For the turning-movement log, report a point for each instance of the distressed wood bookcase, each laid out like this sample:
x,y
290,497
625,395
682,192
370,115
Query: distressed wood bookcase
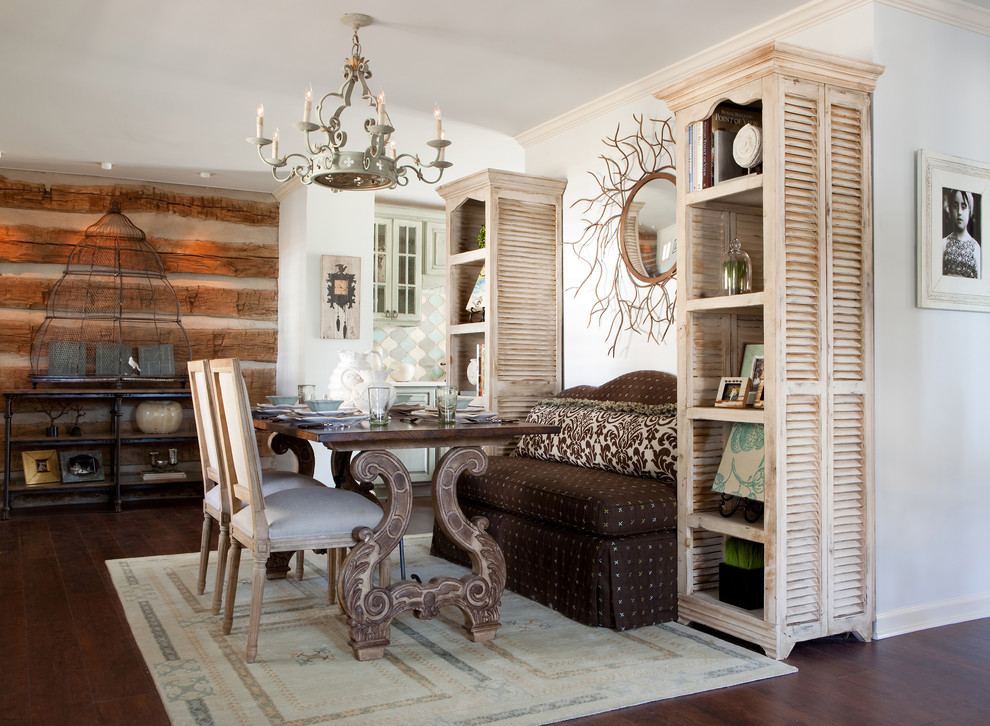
x,y
522,326
805,222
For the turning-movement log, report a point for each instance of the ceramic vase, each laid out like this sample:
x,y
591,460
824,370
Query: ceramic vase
x,y
346,374
158,417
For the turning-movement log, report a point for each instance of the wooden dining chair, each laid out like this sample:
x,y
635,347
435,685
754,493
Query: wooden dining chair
x,y
216,501
286,521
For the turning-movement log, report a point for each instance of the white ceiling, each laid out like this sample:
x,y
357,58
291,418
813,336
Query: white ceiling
x,y
165,90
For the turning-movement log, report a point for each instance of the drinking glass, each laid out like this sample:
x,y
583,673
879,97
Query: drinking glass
x,y
447,404
378,398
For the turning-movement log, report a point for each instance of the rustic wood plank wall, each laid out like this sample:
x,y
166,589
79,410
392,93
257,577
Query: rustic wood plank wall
x,y
219,247
220,250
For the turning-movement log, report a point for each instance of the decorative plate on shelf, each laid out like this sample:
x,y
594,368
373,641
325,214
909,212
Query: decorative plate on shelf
x,y
747,148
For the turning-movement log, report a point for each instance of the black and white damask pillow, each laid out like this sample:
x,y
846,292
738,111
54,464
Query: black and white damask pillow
x,y
625,438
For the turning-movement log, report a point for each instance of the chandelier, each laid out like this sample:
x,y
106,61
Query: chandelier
x,y
327,162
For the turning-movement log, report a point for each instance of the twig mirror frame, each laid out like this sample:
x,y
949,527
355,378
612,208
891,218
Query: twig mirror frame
x,y
637,302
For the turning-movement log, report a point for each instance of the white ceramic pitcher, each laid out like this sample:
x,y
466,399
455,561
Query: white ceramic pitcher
x,y
369,378
357,372
346,374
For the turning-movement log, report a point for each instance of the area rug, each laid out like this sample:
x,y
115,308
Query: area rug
x,y
540,669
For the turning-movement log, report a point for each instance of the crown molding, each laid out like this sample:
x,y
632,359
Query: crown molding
x,y
953,12
286,188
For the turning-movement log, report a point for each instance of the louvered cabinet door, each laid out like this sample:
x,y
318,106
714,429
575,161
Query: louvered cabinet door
x,y
800,442
824,470
526,290
849,566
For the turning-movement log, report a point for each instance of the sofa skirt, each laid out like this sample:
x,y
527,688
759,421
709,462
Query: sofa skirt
x,y
620,583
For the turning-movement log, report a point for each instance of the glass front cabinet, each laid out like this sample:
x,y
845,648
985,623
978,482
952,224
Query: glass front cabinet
x,y
405,250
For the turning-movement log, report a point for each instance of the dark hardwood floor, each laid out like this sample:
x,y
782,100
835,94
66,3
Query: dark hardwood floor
x,y
68,656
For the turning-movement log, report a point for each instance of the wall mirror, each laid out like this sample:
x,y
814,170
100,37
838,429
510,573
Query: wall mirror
x,y
648,228
630,241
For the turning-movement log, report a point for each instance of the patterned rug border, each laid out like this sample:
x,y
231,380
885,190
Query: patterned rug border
x,y
541,668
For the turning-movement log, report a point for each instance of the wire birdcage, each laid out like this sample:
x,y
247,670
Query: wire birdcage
x,y
113,316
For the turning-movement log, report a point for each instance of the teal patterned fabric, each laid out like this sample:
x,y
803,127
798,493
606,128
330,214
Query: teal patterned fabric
x,y
741,471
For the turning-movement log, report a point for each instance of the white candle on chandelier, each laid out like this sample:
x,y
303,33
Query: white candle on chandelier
x,y
442,149
308,104
438,126
391,145
275,144
261,120
381,108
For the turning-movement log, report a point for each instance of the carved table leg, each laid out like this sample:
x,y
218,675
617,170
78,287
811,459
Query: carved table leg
x,y
278,565
478,595
305,458
343,476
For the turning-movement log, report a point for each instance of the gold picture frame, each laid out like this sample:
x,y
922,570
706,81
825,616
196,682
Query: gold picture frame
x,y
732,392
41,467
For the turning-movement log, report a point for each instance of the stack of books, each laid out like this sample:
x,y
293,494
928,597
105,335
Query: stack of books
x,y
162,475
710,141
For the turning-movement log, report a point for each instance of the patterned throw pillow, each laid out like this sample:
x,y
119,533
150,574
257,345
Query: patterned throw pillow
x,y
626,438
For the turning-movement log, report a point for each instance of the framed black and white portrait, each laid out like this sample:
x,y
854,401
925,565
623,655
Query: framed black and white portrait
x,y
952,233
78,466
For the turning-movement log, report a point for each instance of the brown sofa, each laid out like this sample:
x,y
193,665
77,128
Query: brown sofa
x,y
587,519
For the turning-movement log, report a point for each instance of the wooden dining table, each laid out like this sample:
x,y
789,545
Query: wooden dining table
x,y
370,607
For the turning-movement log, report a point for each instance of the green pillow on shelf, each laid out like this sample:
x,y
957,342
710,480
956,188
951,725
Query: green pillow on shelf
x,y
743,554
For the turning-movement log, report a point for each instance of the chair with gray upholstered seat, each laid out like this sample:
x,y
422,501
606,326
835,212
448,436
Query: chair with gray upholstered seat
x,y
216,504
286,521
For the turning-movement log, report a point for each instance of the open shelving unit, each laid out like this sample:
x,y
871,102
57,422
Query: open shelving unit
x,y
522,326
110,430
805,222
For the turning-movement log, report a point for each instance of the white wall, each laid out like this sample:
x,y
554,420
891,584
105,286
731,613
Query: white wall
x,y
313,221
932,409
571,155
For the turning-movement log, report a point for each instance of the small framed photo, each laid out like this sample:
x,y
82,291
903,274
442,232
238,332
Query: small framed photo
x,y
752,368
758,398
80,466
40,467
953,234
732,392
